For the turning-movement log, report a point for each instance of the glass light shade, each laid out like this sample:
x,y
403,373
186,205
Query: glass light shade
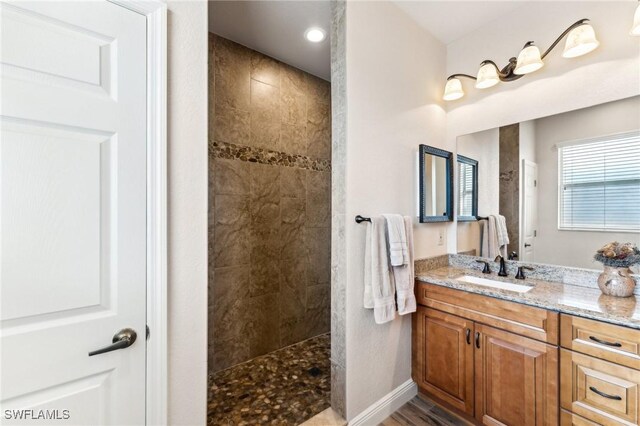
x,y
580,41
453,90
487,76
635,29
529,60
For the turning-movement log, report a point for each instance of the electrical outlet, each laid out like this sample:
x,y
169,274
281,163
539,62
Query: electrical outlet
x,y
441,237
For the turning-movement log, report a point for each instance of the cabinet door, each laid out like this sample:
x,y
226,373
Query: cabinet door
x,y
443,350
516,379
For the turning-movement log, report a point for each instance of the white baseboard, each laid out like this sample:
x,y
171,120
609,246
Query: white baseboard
x,y
386,405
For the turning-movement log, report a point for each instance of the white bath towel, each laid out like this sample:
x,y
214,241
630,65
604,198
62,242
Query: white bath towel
x,y
404,275
493,237
379,289
397,238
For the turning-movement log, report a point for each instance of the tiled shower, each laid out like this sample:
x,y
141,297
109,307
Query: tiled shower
x,y
269,204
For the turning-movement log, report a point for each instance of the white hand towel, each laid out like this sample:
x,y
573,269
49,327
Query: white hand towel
x,y
398,252
502,234
404,275
379,290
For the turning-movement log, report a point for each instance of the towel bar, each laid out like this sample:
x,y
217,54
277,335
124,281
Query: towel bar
x,y
360,219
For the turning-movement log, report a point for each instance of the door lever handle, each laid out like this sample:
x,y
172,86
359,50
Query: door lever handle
x,y
122,339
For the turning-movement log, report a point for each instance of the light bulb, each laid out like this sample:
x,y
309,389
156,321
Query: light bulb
x,y
453,90
529,60
487,76
580,41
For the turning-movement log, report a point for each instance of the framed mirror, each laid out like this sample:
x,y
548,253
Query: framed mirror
x,y
436,185
467,188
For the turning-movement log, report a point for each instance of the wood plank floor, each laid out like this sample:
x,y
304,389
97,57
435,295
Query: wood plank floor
x,y
421,411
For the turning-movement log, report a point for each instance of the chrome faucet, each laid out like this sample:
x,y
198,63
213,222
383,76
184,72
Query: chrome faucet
x,y
503,266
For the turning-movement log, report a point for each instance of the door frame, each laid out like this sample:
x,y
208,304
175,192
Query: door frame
x,y
156,303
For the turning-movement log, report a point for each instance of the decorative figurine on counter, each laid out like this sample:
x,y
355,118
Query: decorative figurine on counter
x,y
617,279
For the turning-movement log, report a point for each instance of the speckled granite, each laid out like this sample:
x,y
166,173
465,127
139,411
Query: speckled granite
x,y
561,274
428,263
556,296
285,387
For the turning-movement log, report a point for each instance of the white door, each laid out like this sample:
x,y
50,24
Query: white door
x,y
72,212
529,211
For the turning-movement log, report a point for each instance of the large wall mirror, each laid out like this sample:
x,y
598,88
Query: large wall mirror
x,y
565,184
436,185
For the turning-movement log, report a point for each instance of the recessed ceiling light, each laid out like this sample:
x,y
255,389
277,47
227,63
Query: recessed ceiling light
x,y
315,35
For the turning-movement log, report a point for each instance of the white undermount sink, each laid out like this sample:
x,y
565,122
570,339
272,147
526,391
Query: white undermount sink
x,y
495,284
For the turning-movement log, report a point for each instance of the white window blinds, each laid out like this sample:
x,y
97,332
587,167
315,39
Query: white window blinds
x,y
600,183
465,190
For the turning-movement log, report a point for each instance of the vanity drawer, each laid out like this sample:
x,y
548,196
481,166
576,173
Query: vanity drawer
x,y
607,341
598,390
527,321
571,419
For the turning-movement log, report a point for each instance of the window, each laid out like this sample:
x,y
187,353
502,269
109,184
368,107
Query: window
x,y
467,188
600,184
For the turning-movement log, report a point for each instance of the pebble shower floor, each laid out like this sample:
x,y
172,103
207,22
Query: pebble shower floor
x,y
284,387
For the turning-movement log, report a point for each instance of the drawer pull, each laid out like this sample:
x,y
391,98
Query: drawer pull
x,y
468,336
477,340
604,395
603,342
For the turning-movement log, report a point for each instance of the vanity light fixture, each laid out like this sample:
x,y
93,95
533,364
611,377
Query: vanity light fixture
x,y
315,35
581,39
635,29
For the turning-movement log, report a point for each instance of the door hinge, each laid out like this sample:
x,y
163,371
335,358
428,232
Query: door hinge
x,y
535,183
535,234
148,333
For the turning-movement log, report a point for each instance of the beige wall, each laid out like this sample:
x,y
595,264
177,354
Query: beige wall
x,y
187,212
575,248
269,204
483,147
394,73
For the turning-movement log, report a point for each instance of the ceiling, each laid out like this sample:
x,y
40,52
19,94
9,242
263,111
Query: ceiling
x,y
276,28
451,20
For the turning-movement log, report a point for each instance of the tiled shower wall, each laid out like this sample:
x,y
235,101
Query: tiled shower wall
x,y
269,204
510,182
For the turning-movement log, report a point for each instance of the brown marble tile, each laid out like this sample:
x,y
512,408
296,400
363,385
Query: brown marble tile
x,y
232,75
265,257
318,309
211,190
230,316
318,129
285,387
265,196
264,330
265,69
231,246
232,125
293,246
318,88
292,211
293,183
318,198
293,80
319,249
293,138
232,210
231,177
265,113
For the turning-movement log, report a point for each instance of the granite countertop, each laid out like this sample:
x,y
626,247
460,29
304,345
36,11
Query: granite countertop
x,y
570,299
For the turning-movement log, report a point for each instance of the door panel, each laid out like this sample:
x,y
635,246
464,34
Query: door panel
x,y
72,208
529,211
516,379
445,357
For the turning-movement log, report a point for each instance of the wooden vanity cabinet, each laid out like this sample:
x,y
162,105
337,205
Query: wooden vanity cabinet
x,y
444,357
488,373
516,379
